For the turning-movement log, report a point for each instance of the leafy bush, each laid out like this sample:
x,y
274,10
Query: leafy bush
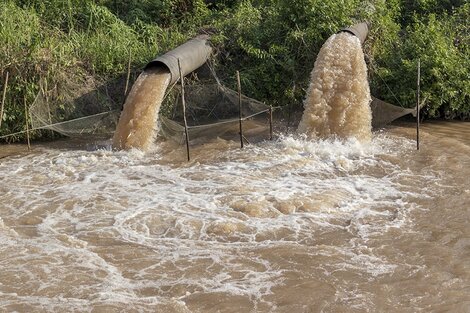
x,y
59,41
443,51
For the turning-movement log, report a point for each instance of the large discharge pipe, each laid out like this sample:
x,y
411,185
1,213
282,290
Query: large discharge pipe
x,y
359,30
192,55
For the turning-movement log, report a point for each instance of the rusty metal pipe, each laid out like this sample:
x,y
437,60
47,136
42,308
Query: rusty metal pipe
x,y
359,30
192,54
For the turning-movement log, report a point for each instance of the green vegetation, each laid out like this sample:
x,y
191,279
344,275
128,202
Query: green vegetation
x,y
272,42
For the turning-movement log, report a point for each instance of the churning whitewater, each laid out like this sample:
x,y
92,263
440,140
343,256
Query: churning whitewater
x,y
337,102
137,125
290,225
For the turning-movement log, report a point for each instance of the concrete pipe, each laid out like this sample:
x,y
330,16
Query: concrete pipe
x,y
359,30
192,54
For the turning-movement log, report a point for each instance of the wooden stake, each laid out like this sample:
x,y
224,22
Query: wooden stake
x,y
270,122
184,111
240,114
26,121
417,104
128,73
3,98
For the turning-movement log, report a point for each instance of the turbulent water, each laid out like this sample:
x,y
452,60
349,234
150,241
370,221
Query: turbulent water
x,y
337,102
290,225
356,222
136,127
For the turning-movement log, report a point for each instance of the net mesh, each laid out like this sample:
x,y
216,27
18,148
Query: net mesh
x,y
211,109
75,109
384,113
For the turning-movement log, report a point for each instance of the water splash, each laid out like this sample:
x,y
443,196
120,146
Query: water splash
x,y
337,102
137,124
317,221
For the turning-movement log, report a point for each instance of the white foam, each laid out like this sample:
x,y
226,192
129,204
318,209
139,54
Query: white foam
x,y
337,101
200,226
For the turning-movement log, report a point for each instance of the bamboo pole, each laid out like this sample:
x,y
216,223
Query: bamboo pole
x,y
240,114
128,73
270,122
26,121
3,98
417,103
184,111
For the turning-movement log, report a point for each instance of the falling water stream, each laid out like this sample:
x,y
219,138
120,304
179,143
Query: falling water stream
x,y
137,125
337,102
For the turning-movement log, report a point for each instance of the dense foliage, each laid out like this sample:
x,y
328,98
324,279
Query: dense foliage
x,y
272,42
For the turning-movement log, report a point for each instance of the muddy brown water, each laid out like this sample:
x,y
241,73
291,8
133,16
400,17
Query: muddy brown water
x,y
290,225
137,124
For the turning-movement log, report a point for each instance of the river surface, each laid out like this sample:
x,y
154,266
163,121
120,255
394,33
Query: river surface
x,y
290,225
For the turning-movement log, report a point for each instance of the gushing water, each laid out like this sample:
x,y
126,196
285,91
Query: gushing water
x,y
137,124
337,102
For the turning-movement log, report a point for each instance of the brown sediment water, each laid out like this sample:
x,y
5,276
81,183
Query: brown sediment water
x,y
137,125
337,102
289,225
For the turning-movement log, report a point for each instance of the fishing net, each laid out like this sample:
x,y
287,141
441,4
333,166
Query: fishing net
x,y
384,113
64,122
75,109
211,109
